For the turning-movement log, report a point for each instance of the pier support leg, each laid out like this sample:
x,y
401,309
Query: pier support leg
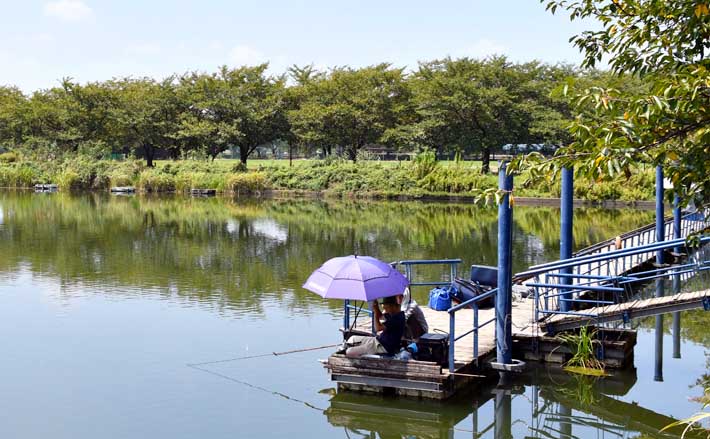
x,y
566,236
502,429
676,319
677,234
565,422
504,298
658,364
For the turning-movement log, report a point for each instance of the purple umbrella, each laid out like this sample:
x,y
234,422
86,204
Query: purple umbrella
x,y
356,278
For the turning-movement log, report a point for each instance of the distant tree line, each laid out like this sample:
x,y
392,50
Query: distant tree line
x,y
465,106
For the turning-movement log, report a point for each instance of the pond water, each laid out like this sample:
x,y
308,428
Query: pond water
x,y
105,302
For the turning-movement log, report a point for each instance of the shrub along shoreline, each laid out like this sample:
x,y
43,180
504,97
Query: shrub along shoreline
x,y
336,178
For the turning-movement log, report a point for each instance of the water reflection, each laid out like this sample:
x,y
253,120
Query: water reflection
x,y
542,403
233,254
146,285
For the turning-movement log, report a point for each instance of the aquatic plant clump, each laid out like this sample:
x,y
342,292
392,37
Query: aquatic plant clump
x,y
583,345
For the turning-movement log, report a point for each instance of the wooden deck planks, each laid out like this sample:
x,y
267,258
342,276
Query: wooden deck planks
x,y
615,312
522,323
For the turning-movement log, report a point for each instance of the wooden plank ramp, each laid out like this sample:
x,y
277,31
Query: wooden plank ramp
x,y
627,310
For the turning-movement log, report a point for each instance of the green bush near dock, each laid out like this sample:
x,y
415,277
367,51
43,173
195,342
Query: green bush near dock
x,y
333,177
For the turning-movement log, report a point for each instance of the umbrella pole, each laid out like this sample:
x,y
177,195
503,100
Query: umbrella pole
x,y
357,313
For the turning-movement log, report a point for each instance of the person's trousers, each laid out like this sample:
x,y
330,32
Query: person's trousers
x,y
363,345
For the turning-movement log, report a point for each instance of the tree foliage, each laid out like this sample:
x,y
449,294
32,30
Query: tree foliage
x,y
666,122
478,105
453,106
349,108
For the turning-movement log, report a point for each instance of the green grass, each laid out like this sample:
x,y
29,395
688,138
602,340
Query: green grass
x,y
271,163
332,177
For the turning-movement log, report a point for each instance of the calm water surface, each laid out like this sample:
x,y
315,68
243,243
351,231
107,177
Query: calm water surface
x,y
105,301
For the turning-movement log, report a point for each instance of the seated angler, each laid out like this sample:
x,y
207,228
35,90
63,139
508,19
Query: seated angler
x,y
390,332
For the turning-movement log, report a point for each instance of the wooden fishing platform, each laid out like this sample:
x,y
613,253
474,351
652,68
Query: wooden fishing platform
x,y
429,379
532,342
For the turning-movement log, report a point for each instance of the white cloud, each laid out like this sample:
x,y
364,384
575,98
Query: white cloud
x,y
245,55
68,10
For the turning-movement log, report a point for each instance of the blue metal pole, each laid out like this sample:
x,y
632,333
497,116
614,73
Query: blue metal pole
x,y
658,363
566,237
452,342
677,234
660,236
660,220
504,335
346,316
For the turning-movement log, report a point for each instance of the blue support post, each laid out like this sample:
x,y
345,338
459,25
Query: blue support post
x,y
660,236
677,234
566,237
660,220
346,315
504,334
452,341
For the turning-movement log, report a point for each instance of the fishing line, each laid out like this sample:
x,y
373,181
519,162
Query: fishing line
x,y
263,389
272,354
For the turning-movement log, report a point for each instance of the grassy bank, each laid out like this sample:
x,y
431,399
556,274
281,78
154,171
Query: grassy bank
x,y
330,177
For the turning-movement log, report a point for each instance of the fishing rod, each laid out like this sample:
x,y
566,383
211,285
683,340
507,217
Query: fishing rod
x,y
272,354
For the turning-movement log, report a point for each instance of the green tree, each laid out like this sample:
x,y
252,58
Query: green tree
x,y
12,105
147,115
480,105
243,107
351,108
665,44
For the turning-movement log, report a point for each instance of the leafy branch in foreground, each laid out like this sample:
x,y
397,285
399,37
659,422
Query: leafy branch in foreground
x,y
665,44
691,423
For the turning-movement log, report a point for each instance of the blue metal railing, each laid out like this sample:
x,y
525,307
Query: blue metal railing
x,y
476,326
682,227
410,264
473,303
548,292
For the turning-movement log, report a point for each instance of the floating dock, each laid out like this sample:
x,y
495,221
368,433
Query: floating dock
x,y
123,190
196,192
46,188
431,380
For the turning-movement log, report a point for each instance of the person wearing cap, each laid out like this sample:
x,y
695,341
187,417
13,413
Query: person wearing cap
x,y
389,331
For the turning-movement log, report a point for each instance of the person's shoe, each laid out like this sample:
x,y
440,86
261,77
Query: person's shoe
x,y
341,349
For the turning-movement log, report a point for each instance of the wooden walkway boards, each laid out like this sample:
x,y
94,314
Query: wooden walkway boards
x,y
522,322
627,310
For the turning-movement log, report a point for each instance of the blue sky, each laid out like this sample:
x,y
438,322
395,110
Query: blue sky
x,y
43,41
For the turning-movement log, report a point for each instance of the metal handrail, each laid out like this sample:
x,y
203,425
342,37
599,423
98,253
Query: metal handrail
x,y
599,257
611,283
409,273
630,234
473,302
